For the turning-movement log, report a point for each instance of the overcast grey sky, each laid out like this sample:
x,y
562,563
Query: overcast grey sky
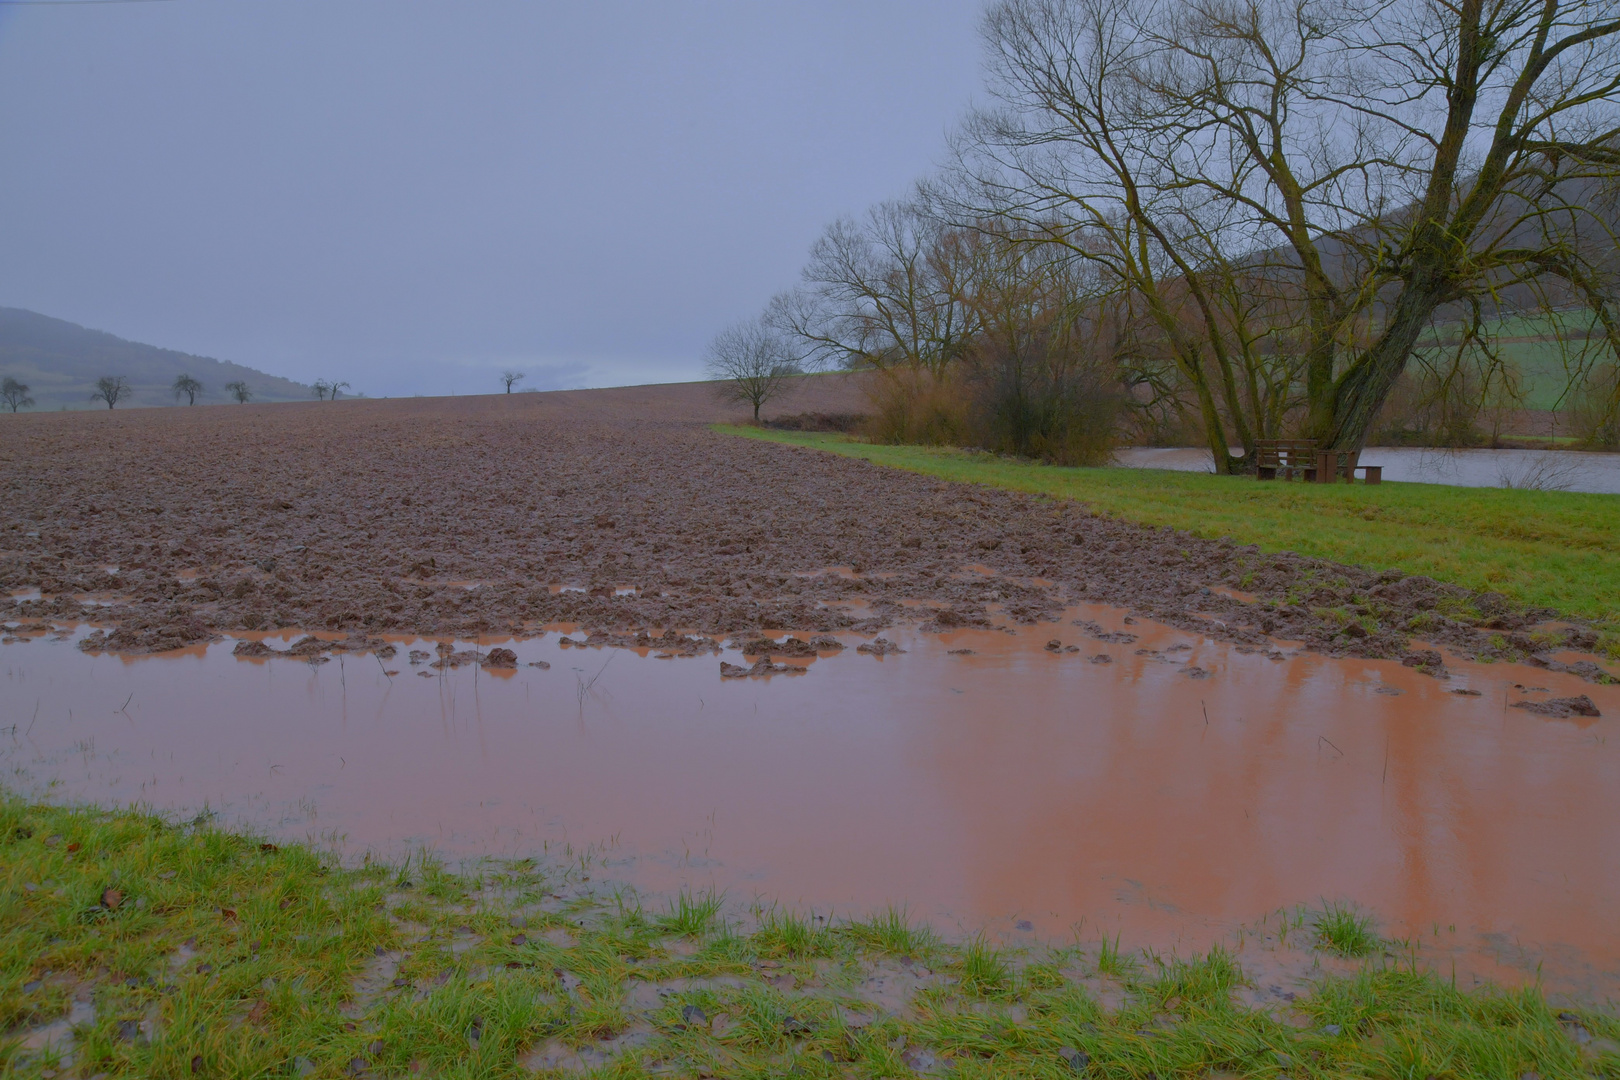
x,y
413,194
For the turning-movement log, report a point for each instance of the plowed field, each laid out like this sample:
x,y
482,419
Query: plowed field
x,y
616,510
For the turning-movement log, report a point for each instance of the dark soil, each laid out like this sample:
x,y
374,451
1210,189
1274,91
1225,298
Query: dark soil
x,y
1560,708
842,422
467,516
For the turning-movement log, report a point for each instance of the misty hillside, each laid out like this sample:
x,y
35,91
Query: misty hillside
x,y
61,361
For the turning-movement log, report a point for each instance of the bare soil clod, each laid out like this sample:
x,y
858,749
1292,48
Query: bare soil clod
x,y
1561,708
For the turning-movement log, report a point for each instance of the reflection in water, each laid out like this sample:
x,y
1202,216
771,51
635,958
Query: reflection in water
x,y
1013,783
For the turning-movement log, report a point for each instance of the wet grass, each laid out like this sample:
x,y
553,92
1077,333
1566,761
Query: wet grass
x,y
192,951
1342,929
981,969
692,915
1110,961
892,932
1540,548
781,933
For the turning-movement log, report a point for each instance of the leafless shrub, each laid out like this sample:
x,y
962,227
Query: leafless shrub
x,y
1547,471
1037,406
1596,411
917,407
819,421
1041,371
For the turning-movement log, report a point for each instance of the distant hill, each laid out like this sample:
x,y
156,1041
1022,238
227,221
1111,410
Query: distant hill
x,y
61,361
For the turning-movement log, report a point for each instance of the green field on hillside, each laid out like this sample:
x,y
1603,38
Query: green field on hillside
x,y
1545,351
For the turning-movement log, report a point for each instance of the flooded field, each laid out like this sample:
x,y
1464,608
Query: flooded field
x,y
1173,793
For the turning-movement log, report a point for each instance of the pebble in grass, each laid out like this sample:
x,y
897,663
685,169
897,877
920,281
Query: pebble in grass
x,y
1074,1058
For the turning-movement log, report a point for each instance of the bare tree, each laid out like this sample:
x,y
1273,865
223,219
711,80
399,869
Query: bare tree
x,y
1301,190
240,391
186,387
335,388
321,388
750,364
510,378
885,292
14,394
112,389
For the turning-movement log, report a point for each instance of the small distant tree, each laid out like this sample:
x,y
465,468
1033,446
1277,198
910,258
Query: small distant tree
x,y
240,391
750,364
329,390
112,389
510,378
186,387
15,394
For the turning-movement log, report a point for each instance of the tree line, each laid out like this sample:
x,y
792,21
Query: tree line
x,y
113,389
110,390
1236,220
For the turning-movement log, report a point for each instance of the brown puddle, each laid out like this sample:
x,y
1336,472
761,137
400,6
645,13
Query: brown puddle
x,y
1015,783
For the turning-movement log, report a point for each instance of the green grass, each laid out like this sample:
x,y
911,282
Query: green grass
x,y
891,931
1553,549
221,956
1342,929
1110,961
692,915
787,934
982,969
1542,348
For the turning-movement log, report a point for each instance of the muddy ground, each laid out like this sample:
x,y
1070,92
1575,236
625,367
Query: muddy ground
x,y
617,510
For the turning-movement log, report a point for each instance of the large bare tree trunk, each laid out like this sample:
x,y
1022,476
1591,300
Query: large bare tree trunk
x,y
1363,388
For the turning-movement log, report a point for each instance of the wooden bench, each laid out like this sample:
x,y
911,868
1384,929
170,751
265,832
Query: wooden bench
x,y
1289,459
1300,459
1334,464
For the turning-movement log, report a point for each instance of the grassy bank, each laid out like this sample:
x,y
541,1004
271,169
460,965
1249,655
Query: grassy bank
x,y
1545,548
196,952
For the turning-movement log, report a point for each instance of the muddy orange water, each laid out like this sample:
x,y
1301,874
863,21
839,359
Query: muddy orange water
x,y
1014,785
